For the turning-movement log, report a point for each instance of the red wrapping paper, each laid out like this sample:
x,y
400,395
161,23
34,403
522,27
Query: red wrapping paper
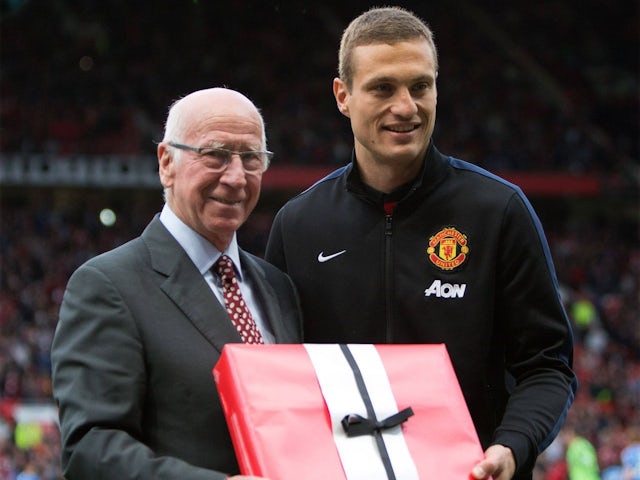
x,y
281,428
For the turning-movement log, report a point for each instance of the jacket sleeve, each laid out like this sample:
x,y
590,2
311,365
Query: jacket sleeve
x,y
537,335
99,383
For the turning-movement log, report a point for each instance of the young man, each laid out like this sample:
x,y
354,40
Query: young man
x,y
407,245
142,326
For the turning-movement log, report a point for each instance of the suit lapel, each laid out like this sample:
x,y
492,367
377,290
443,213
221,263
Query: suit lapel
x,y
184,284
264,292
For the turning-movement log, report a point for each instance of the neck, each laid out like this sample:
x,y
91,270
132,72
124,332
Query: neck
x,y
387,178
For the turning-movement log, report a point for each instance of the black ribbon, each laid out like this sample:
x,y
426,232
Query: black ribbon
x,y
355,425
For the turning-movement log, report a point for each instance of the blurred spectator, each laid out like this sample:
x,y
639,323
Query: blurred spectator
x,y
630,457
581,457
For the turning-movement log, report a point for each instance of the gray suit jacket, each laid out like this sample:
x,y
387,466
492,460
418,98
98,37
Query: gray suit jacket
x,y
139,334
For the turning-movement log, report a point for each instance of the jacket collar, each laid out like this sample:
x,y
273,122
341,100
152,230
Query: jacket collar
x,y
432,173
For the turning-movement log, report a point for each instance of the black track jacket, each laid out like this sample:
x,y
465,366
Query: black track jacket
x,y
463,261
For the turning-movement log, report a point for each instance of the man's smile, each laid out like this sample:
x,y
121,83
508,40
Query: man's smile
x,y
226,201
405,128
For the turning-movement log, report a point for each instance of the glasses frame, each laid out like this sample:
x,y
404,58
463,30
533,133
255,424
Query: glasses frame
x,y
230,153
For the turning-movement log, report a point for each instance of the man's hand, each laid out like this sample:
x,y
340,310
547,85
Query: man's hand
x,y
498,463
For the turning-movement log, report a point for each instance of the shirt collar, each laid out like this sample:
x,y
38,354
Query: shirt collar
x,y
201,252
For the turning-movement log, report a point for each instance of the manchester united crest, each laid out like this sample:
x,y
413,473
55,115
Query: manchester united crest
x,y
448,249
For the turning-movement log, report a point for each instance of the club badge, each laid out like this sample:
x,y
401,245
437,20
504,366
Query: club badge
x,y
448,249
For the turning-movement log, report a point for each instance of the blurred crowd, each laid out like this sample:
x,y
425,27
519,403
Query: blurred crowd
x,y
523,86
549,85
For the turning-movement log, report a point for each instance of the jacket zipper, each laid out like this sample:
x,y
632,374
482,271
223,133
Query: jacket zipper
x,y
388,276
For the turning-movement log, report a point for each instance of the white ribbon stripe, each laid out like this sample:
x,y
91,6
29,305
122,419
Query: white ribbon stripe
x,y
360,456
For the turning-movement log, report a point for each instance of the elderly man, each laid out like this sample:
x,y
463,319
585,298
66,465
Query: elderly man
x,y
142,326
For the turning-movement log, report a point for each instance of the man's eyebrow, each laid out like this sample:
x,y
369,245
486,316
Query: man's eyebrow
x,y
212,144
243,148
391,79
381,79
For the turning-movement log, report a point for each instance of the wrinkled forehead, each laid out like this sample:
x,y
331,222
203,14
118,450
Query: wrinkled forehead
x,y
227,122
226,126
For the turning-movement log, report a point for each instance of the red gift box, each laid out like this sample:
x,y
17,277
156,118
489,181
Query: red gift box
x,y
282,428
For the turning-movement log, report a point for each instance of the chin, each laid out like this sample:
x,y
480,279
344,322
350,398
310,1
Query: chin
x,y
404,155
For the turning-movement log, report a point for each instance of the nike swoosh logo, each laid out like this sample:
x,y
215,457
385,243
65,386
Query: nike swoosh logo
x,y
322,258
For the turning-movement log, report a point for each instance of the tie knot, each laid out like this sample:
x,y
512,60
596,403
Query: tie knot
x,y
224,268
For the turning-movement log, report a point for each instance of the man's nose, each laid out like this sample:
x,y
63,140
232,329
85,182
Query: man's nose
x,y
234,173
404,103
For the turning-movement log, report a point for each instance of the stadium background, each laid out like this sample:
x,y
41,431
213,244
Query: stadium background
x,y
544,93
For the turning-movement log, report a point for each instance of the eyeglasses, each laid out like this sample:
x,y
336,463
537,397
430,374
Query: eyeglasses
x,y
219,158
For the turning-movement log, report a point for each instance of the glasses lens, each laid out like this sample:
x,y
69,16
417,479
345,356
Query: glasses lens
x,y
217,158
253,161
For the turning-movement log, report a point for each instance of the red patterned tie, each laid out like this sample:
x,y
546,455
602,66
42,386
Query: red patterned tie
x,y
237,309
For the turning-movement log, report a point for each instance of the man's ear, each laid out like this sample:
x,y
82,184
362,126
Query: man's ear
x,y
341,93
165,165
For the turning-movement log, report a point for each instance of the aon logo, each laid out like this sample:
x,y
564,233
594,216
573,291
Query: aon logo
x,y
445,290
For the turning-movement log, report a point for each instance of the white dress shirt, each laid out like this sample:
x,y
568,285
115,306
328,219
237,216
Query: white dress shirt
x,y
204,255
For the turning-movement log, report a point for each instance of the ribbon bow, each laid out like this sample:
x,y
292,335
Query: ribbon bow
x,y
356,425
